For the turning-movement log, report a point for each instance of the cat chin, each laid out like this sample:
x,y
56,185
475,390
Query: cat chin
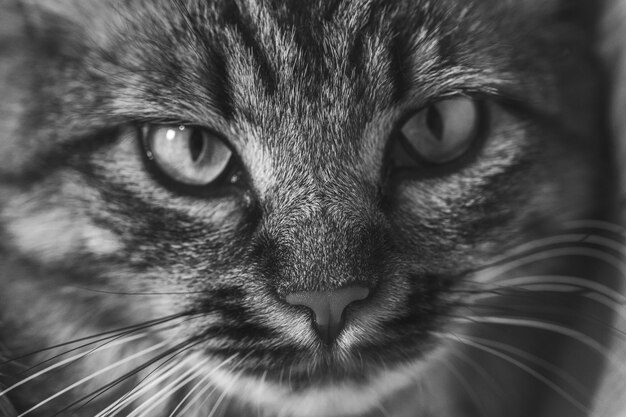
x,y
335,399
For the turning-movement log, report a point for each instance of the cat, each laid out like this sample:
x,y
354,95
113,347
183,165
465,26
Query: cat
x,y
309,209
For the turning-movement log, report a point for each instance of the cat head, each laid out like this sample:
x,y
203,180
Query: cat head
x,y
303,195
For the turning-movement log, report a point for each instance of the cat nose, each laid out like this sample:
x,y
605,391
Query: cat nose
x,y
328,307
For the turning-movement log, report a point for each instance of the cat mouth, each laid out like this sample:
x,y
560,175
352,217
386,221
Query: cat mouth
x,y
345,362
373,340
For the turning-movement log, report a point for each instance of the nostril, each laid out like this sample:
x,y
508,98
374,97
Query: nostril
x,y
328,307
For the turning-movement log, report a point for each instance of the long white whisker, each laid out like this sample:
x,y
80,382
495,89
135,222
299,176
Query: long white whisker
x,y
163,372
596,224
467,387
200,383
540,280
480,370
527,248
600,293
258,407
523,367
205,392
165,393
170,365
491,273
550,327
576,385
224,393
613,244
92,376
70,360
209,389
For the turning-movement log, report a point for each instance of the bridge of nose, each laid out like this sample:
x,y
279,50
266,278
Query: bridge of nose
x,y
328,306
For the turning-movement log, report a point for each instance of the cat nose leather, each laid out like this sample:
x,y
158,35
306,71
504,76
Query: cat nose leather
x,y
328,307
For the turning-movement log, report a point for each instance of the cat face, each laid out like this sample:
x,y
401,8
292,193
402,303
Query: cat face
x,y
291,205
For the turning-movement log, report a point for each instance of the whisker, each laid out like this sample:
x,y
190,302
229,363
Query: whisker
x,y
542,378
99,291
224,393
473,395
176,350
553,328
92,376
152,330
592,290
481,371
570,238
205,392
566,377
208,390
109,334
606,242
164,370
596,224
574,282
200,383
69,360
489,274
553,310
170,388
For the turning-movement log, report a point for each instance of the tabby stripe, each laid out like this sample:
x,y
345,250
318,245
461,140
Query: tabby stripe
x,y
234,18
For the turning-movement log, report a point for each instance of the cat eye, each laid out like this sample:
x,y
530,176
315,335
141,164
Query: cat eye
x,y
187,154
443,131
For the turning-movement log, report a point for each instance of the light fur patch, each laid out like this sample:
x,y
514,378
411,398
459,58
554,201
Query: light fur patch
x,y
52,234
331,400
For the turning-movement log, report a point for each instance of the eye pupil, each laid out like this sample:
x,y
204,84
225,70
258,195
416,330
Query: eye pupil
x,y
434,121
196,145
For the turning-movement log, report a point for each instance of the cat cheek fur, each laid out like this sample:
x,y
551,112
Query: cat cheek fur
x,y
55,233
